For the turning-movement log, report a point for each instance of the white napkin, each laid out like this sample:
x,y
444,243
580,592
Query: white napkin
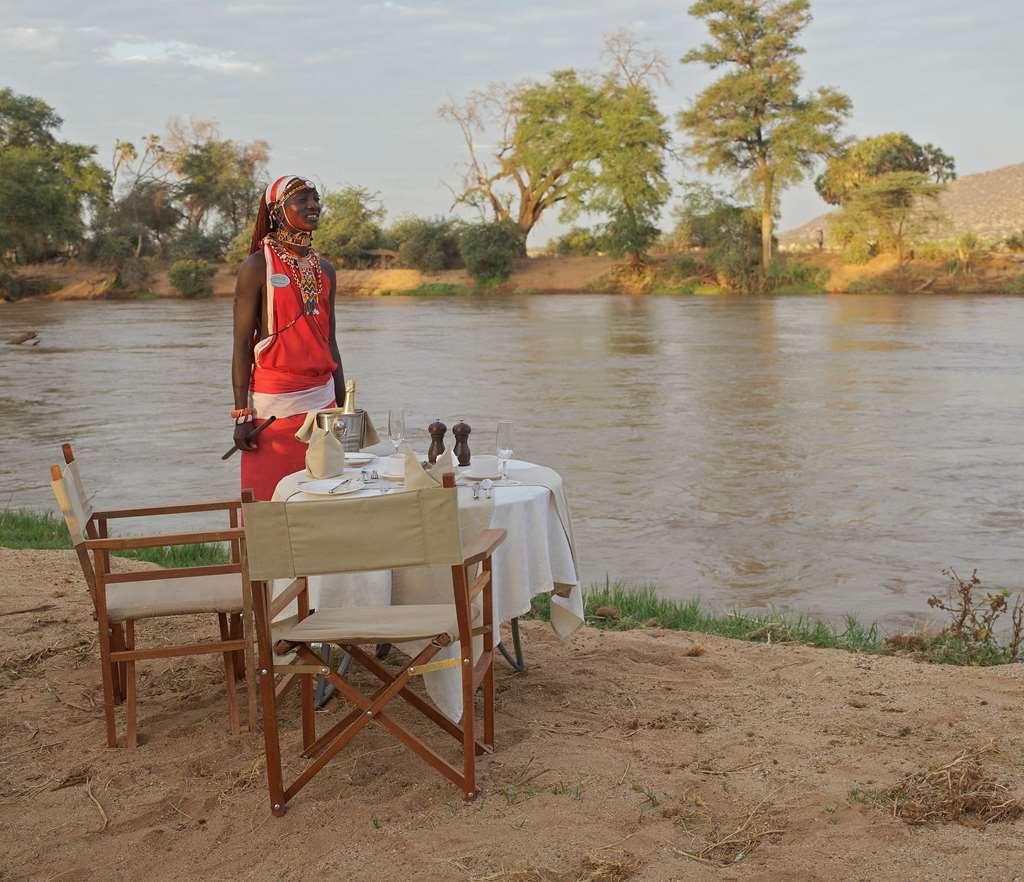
x,y
415,476
444,463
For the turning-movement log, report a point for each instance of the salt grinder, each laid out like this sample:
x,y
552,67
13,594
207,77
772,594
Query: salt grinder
x,y
437,431
461,432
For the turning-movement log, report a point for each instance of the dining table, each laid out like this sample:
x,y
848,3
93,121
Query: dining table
x,y
538,556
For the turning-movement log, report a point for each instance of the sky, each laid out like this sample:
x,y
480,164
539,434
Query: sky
x,y
347,92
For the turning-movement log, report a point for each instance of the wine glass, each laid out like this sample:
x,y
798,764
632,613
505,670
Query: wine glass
x,y
504,446
396,427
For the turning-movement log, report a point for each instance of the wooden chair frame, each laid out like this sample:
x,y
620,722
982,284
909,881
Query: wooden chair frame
x,y
371,708
118,650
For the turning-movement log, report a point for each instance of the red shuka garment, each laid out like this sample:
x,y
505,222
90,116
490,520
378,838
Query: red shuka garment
x,y
293,372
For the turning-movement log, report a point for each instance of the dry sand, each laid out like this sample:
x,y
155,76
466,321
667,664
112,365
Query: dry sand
x,y
617,753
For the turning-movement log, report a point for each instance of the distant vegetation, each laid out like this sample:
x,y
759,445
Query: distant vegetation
x,y
576,143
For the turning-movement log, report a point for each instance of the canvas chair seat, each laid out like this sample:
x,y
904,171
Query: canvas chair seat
x,y
174,597
386,624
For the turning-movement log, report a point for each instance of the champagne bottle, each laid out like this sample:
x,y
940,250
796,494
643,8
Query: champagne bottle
x,y
350,397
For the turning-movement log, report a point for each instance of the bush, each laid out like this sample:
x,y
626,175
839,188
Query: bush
x,y
350,226
489,250
629,234
194,244
238,248
1015,241
795,277
191,278
134,273
858,250
578,241
16,287
729,233
426,244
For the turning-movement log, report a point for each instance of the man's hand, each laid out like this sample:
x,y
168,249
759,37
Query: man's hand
x,y
242,433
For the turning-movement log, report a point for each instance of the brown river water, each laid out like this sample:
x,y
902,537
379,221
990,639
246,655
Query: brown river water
x,y
827,454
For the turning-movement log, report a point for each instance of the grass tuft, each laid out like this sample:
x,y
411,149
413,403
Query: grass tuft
x,y
641,606
22,528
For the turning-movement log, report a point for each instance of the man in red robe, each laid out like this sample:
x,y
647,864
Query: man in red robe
x,y
285,360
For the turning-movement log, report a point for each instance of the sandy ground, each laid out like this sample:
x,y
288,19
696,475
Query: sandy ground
x,y
617,753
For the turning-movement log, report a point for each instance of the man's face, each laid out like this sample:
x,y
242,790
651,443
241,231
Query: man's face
x,y
302,210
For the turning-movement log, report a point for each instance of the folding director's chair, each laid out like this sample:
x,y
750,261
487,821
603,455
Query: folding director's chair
x,y
122,599
405,529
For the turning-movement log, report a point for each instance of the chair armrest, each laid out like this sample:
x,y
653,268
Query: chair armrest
x,y
287,596
184,508
122,543
482,546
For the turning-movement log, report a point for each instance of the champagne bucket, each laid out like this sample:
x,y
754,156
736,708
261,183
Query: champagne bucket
x,y
352,435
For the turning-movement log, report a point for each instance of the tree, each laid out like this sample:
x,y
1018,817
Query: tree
x,y
215,176
886,212
489,249
426,244
872,157
729,234
351,224
578,141
752,122
46,185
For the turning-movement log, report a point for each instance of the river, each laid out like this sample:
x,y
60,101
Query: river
x,y
825,454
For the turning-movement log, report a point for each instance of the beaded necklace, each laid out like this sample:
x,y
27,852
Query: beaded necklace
x,y
304,272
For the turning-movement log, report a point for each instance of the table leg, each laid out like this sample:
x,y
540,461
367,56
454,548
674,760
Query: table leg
x,y
517,663
325,690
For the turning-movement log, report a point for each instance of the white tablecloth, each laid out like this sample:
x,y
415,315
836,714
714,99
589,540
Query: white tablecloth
x,y
535,556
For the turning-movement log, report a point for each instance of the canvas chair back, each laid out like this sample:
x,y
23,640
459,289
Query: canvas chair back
x,y
74,503
404,529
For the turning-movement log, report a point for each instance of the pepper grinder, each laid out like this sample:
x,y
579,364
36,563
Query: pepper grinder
x,y
437,431
461,432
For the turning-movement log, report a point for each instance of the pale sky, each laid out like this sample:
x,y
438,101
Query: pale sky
x,y
347,92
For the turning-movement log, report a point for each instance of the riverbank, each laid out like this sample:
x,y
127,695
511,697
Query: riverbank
x,y
805,273
625,753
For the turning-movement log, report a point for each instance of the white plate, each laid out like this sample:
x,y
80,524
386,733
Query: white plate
x,y
469,476
325,487
358,459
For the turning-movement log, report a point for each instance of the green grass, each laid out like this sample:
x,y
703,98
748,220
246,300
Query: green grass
x,y
431,289
147,295
21,528
641,604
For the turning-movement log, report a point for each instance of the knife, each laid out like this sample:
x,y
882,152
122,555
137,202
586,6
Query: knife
x,y
252,435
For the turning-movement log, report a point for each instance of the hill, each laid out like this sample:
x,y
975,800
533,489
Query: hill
x,y
989,204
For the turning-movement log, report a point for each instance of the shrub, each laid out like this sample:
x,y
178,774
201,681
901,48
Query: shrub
x,y
578,241
795,277
968,251
350,225
191,278
858,250
133,273
16,287
931,251
629,234
426,244
490,249
1015,241
238,248
194,244
729,233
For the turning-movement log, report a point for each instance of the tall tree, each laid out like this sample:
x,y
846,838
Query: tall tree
x,y
872,157
753,122
47,186
216,177
563,142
